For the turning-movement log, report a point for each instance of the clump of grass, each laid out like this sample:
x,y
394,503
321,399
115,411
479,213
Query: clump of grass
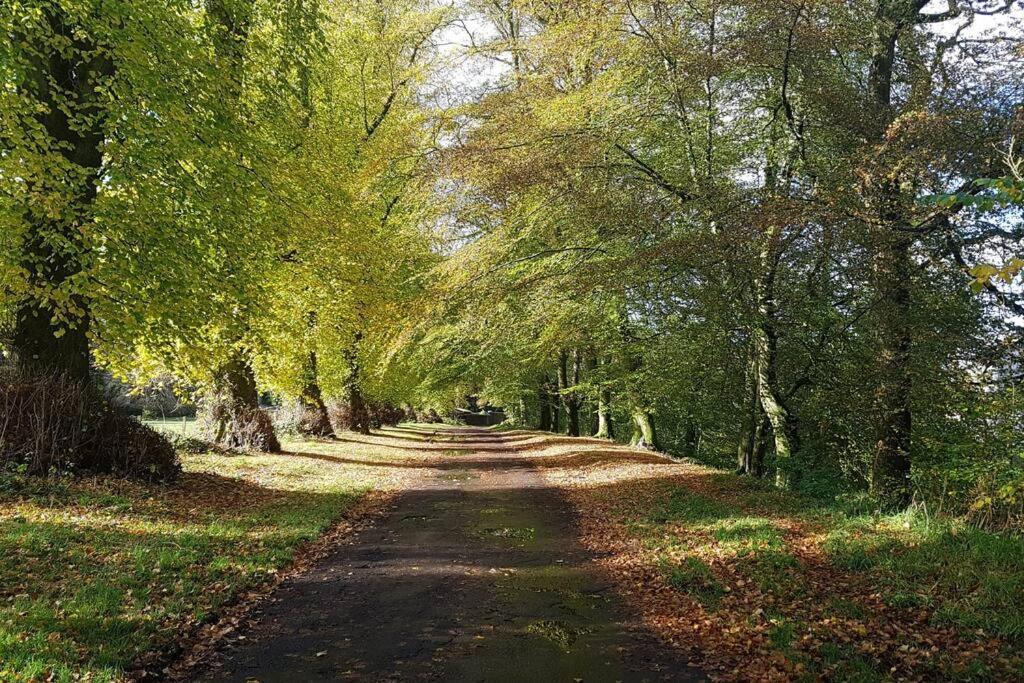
x,y
844,664
510,533
561,634
685,507
695,577
846,608
781,633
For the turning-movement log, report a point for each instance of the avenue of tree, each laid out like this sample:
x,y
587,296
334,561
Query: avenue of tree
x,y
783,237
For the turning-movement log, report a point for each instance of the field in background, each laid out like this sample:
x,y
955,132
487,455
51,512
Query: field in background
x,y
186,427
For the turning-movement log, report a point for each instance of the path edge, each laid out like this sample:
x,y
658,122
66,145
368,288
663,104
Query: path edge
x,y
179,660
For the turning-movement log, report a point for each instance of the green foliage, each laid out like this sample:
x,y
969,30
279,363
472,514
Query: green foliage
x,y
728,225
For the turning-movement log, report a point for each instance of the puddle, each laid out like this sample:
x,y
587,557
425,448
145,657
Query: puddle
x,y
560,634
457,476
512,533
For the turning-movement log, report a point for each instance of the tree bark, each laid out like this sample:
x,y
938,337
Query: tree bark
x,y
544,401
359,416
891,273
644,434
555,400
751,415
49,337
605,429
691,439
764,339
891,463
567,389
240,423
316,421
563,387
359,420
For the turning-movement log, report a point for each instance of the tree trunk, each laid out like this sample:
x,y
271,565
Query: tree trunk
x,y
890,463
644,435
316,421
604,418
67,84
544,401
760,444
359,420
892,270
567,385
691,440
240,423
359,416
555,399
764,340
751,415
563,387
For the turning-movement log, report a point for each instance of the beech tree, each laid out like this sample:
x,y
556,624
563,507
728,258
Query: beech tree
x,y
777,208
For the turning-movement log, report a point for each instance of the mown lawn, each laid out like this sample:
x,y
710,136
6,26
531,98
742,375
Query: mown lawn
x,y
95,573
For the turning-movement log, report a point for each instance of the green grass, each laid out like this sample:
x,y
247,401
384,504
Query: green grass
x,y
185,427
695,577
968,577
733,534
685,507
95,573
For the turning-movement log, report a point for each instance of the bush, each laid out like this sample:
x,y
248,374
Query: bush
x,y
341,416
297,419
382,414
53,424
314,422
429,416
378,414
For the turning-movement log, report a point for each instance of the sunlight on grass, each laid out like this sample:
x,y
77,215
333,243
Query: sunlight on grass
x,y
808,578
98,572
968,577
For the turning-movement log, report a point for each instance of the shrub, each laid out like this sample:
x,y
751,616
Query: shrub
x,y
382,414
378,414
429,416
314,422
53,424
295,418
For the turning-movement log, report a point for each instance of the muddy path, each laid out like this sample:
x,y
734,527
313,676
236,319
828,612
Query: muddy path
x,y
472,574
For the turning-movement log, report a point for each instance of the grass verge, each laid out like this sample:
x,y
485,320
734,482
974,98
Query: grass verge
x,y
772,585
95,573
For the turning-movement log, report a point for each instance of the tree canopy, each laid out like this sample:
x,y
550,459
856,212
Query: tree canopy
x,y
779,237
